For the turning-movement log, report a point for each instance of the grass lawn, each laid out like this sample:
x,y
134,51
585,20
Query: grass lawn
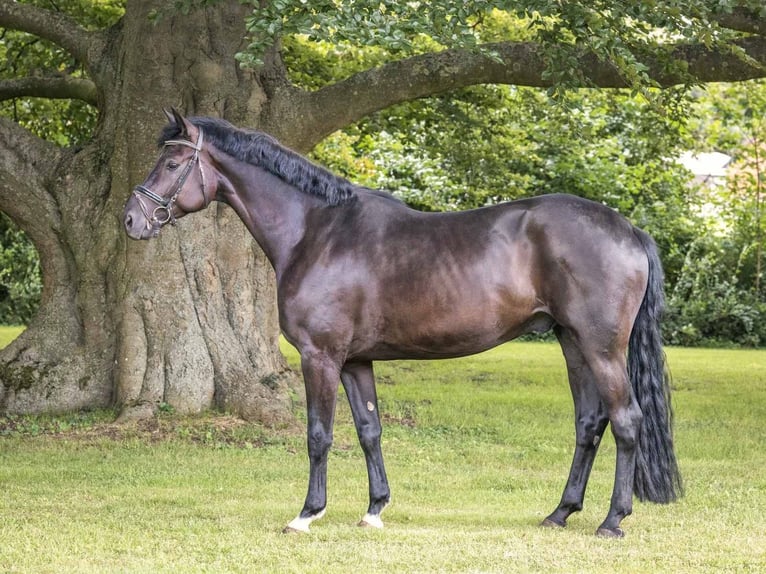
x,y
477,451
8,334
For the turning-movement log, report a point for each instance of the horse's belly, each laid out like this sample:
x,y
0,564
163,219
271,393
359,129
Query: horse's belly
x,y
431,330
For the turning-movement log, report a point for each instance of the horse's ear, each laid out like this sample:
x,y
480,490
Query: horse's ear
x,y
178,118
169,115
188,130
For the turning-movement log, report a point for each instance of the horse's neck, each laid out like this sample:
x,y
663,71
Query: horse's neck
x,y
273,212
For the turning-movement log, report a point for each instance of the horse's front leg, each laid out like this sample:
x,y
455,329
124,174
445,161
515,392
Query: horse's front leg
x,y
321,376
359,383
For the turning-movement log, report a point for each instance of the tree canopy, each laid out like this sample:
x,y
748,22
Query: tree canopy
x,y
430,47
548,43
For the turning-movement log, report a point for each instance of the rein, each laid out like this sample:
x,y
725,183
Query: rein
x,y
163,213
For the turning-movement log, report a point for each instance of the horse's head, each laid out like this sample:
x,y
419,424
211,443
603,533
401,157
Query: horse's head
x,y
176,186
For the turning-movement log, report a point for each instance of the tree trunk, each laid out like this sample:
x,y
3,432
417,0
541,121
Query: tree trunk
x,y
189,319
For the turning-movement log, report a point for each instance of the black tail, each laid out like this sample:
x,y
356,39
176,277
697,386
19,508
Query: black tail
x,y
657,478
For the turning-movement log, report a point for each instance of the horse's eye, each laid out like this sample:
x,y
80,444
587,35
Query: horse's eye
x,y
172,165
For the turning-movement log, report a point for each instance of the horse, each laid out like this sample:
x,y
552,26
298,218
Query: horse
x,y
362,277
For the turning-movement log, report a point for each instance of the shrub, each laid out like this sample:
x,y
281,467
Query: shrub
x,y
20,283
707,306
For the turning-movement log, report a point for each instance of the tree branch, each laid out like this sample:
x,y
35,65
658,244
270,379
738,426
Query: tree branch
x,y
743,20
56,27
518,63
26,162
58,87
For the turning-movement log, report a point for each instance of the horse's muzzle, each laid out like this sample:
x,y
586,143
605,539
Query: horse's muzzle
x,y
136,225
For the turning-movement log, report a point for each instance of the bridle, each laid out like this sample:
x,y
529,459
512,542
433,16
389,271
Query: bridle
x,y
163,213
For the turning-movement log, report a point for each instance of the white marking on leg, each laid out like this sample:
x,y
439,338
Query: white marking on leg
x,y
302,524
372,520
370,406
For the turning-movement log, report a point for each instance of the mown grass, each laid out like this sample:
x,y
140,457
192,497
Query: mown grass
x,y
8,334
477,451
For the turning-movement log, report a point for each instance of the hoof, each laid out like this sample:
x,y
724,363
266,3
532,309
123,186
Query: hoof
x,y
301,525
548,523
371,521
603,532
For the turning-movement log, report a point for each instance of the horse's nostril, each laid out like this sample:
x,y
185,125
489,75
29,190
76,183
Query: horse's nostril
x,y
128,221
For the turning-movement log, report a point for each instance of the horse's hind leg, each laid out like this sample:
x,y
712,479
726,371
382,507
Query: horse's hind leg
x,y
359,382
625,419
590,422
610,372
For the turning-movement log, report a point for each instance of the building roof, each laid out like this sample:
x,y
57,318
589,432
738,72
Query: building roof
x,y
705,165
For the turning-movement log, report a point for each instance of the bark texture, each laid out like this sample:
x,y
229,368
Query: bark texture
x,y
189,319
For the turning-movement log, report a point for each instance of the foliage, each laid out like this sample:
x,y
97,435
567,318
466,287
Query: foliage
x,y
626,34
20,281
720,295
391,24
738,115
708,305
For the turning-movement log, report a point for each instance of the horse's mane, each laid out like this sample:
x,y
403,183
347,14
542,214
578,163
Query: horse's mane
x,y
260,149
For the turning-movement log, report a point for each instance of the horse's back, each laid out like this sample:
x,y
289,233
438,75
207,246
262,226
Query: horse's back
x,y
391,282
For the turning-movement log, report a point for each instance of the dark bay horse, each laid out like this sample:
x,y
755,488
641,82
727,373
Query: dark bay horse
x,y
362,277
